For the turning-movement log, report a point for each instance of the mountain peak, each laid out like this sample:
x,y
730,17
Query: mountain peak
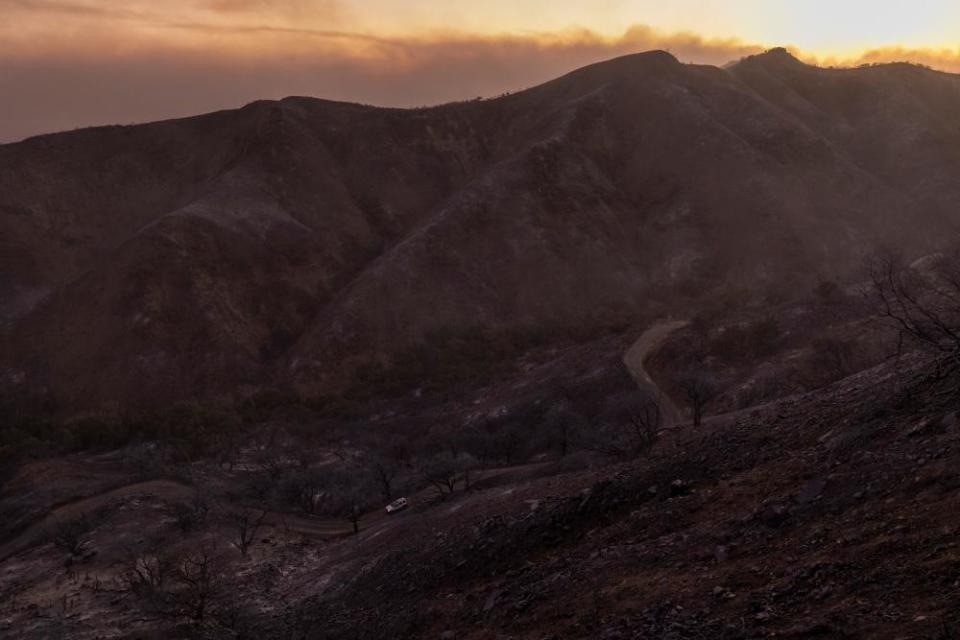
x,y
779,56
656,61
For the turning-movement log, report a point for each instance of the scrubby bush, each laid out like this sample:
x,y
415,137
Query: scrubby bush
x,y
72,536
192,516
145,574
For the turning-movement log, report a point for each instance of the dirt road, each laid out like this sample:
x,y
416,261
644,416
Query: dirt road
x,y
171,491
634,358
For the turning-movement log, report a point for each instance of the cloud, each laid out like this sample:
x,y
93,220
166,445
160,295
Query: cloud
x,y
67,8
326,8
178,68
943,59
84,82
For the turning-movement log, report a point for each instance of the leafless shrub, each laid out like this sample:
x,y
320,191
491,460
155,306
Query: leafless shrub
x,y
244,525
920,302
275,464
145,574
72,536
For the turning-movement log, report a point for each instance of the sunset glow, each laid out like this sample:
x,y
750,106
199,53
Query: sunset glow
x,y
67,63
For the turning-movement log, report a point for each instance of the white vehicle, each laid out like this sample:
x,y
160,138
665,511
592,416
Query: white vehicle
x,y
397,505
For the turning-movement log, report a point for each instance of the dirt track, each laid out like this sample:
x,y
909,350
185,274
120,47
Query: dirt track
x,y
635,356
170,490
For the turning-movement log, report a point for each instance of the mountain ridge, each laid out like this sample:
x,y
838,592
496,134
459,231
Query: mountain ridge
x,y
293,241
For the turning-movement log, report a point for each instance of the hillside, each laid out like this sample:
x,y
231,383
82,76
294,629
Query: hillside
x,y
293,243
830,514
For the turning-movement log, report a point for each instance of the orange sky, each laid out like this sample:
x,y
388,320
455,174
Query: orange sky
x,y
68,63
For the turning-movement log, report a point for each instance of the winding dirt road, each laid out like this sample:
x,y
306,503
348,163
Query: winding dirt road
x,y
635,356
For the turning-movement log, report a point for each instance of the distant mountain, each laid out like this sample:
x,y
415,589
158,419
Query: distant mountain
x,y
295,241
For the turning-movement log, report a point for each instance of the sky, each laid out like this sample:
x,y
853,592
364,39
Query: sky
x,y
71,63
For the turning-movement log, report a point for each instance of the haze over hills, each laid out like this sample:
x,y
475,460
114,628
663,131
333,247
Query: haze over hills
x,y
295,241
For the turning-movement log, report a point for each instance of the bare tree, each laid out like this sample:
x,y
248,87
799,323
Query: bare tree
x,y
307,489
347,499
700,388
564,426
629,425
199,580
353,515
921,304
382,468
245,524
446,470
639,418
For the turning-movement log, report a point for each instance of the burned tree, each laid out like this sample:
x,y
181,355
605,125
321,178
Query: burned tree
x,y
920,302
700,388
564,427
382,468
308,490
630,424
244,525
446,470
347,499
198,578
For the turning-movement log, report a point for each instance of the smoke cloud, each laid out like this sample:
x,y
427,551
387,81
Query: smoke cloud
x,y
172,65
90,82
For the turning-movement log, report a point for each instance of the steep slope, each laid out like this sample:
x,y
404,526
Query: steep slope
x,y
297,240
827,515
204,290
658,184
897,121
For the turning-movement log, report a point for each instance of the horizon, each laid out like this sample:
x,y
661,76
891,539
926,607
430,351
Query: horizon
x,y
792,52
82,63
